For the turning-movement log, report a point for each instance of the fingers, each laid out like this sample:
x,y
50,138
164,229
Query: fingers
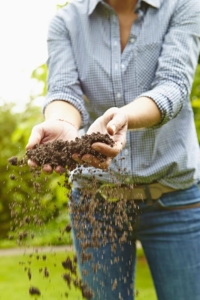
x,y
115,123
32,164
107,150
49,170
92,161
115,120
77,158
36,136
46,168
60,170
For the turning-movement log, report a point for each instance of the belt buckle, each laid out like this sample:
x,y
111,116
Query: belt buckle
x,y
104,189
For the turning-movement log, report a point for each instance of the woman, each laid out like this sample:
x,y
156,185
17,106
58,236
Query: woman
x,y
126,68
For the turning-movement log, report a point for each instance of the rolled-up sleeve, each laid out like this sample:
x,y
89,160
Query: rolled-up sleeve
x,y
63,81
177,63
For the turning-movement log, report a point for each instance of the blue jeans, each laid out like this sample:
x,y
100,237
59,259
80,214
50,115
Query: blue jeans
x,y
171,243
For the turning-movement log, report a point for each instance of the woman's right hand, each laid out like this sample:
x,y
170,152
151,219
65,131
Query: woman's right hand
x,y
49,131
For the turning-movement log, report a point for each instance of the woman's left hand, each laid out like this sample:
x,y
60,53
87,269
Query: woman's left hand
x,y
115,123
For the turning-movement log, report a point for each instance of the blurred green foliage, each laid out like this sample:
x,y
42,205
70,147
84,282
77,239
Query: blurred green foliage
x,y
22,193
61,5
195,100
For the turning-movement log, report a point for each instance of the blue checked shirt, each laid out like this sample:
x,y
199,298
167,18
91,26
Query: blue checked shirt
x,y
88,70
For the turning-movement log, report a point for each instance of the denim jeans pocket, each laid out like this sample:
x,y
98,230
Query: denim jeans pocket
x,y
180,199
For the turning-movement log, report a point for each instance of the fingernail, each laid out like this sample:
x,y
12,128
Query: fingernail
x,y
76,159
87,160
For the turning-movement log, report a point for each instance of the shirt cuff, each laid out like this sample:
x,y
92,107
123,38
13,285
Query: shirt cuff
x,y
163,98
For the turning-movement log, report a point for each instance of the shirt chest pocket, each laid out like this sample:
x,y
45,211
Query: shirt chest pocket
x,y
147,59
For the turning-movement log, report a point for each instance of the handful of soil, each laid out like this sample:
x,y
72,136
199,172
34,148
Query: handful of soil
x,y
59,153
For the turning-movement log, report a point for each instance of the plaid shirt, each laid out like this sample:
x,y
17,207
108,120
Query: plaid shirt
x,y
88,70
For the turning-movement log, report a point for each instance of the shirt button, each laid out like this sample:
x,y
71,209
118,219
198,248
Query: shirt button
x,y
126,152
115,43
132,40
118,95
122,66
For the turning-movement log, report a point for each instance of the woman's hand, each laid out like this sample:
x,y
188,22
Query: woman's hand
x,y
115,123
49,131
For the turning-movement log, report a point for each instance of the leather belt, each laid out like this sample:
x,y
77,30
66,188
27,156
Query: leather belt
x,y
147,192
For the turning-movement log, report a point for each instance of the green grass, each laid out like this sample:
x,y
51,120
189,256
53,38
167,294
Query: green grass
x,y
144,283
14,282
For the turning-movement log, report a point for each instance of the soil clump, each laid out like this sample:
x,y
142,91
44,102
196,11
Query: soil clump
x,y
59,153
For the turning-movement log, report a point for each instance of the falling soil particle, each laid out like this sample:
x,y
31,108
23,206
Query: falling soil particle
x,y
68,228
67,264
44,257
13,160
67,278
12,177
29,274
46,272
34,291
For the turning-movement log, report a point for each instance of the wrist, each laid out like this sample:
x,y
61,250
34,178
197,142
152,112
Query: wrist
x,y
59,109
65,121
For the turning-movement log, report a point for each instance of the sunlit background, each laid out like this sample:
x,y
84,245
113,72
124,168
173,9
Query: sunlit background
x,y
23,31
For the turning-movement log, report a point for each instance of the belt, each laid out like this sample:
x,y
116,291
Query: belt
x,y
149,192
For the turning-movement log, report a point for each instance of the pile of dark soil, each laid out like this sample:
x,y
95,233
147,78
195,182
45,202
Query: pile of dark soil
x,y
59,153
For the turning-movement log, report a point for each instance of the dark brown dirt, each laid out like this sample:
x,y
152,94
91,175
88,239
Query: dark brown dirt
x,y
59,153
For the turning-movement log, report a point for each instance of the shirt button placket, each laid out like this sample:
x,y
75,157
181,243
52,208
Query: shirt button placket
x,y
117,70
116,61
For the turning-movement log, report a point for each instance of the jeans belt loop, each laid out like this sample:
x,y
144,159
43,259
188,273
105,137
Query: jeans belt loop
x,y
148,194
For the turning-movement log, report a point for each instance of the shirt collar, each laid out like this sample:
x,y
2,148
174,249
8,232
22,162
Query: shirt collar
x,y
154,3
93,4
